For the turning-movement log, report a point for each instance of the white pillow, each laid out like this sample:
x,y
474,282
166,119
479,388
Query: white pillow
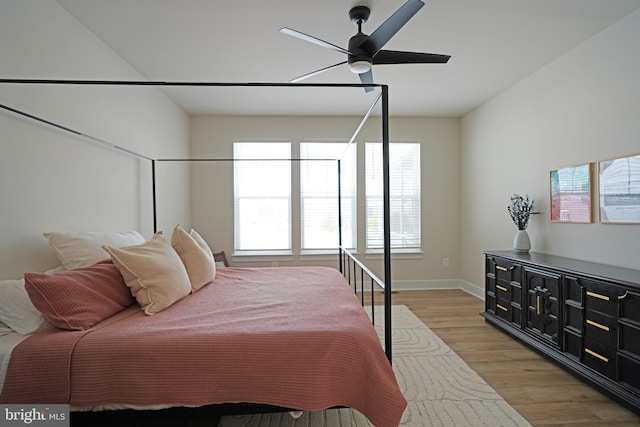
x,y
195,255
82,249
154,272
16,309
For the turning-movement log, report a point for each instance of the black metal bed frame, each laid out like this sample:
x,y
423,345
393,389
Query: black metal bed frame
x,y
348,263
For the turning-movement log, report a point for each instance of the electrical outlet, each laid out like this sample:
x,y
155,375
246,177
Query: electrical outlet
x,y
445,262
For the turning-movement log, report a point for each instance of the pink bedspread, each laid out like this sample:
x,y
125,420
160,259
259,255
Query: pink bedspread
x,y
291,337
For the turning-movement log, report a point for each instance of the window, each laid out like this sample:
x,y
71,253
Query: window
x,y
266,220
404,183
319,195
262,194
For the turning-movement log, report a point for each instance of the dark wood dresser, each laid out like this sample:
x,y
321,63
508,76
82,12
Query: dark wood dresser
x,y
582,315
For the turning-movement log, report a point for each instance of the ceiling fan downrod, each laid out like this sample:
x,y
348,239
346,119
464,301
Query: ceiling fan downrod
x,y
359,60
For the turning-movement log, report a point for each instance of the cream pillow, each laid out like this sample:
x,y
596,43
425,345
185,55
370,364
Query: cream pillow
x,y
154,273
77,249
195,255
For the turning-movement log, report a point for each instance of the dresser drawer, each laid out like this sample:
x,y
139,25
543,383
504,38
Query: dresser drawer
x,y
629,371
630,338
503,291
600,358
508,312
602,298
504,270
630,306
601,328
502,310
507,274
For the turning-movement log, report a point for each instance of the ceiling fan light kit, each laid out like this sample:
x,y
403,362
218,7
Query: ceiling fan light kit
x,y
359,67
366,50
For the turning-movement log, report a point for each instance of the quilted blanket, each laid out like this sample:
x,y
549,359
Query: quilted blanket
x,y
291,337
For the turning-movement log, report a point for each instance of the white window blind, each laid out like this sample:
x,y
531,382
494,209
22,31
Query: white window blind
x,y
319,195
262,196
404,182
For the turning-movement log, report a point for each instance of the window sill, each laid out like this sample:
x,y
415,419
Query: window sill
x,y
413,253
253,256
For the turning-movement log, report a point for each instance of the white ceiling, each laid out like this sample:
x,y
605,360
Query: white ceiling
x,y
493,44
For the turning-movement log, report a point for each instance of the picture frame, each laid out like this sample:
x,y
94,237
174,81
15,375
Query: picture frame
x,y
570,193
619,190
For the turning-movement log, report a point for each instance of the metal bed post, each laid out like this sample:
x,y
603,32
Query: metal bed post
x,y
339,216
362,288
387,221
153,195
373,315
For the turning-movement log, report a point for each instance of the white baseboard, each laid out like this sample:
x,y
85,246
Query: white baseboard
x,y
472,289
429,285
424,285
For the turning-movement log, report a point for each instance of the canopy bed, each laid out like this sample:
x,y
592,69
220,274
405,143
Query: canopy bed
x,y
300,330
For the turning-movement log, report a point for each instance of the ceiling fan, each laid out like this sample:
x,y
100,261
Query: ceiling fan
x,y
366,50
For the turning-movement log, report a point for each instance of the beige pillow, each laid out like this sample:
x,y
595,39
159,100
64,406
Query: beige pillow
x,y
154,273
195,255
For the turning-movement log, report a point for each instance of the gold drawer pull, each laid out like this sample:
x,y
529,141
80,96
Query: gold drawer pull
x,y
502,308
538,305
594,354
501,268
502,288
598,325
599,296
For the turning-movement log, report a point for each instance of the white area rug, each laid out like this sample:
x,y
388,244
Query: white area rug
x,y
440,388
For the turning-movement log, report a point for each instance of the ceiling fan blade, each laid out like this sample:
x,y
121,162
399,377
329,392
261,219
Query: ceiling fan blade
x,y
367,78
314,73
400,57
314,40
392,25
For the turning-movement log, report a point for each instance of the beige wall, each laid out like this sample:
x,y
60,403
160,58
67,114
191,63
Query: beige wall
x,y
583,107
51,180
212,189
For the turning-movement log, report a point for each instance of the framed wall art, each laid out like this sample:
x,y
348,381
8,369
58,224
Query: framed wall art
x,y
571,194
619,184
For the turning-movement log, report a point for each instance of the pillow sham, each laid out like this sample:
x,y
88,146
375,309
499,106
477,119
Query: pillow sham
x,y
78,299
195,255
154,273
77,249
16,309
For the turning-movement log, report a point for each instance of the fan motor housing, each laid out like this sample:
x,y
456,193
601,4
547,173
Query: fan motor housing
x,y
357,48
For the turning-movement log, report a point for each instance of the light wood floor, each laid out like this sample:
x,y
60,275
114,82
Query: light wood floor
x,y
540,391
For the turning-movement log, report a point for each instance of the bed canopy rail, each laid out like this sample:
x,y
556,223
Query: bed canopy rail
x,y
348,262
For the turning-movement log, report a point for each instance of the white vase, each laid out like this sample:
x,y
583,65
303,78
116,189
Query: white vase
x,y
522,243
